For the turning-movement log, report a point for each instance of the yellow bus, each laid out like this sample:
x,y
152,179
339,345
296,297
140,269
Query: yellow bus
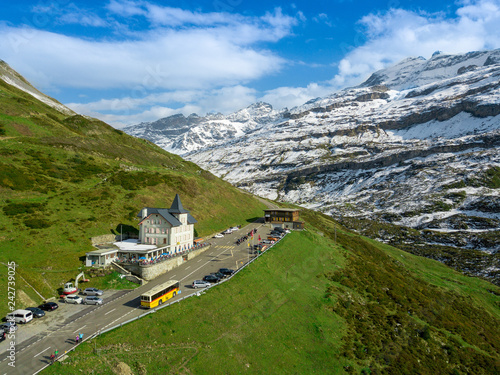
x,y
159,294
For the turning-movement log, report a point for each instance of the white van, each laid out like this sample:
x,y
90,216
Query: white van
x,y
20,316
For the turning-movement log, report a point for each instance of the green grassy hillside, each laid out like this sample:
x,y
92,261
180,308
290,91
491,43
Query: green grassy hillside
x,y
323,301
65,179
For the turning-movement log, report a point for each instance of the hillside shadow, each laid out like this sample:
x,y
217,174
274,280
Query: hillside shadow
x,y
256,219
128,231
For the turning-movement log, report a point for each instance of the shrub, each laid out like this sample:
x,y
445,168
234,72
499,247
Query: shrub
x,y
13,209
37,223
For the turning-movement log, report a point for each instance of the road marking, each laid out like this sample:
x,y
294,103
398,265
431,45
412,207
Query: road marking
x,y
204,264
79,329
41,352
109,311
186,268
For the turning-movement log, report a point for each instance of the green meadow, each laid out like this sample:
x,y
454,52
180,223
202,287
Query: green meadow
x,y
313,305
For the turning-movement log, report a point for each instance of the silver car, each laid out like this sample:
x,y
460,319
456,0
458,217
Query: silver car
x,y
92,300
92,292
8,327
200,284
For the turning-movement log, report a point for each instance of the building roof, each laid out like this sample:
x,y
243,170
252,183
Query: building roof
x,y
102,251
282,209
176,207
163,212
191,220
169,213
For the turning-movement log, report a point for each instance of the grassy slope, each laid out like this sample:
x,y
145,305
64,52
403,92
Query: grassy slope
x,y
313,305
66,179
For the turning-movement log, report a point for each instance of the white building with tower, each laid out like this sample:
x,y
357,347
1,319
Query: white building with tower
x,y
171,228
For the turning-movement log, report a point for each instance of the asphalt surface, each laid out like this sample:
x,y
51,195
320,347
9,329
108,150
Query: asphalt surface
x,y
32,352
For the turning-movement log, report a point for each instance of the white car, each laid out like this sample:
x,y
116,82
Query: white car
x,y
219,235
72,298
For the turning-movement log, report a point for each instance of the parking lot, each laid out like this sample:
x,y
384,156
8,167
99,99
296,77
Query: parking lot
x,y
54,320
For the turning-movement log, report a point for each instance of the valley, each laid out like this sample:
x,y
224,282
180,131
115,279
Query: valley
x,y
326,299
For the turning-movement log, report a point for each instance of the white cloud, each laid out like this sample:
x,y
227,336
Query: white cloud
x,y
130,110
180,59
67,14
227,99
293,96
122,119
397,34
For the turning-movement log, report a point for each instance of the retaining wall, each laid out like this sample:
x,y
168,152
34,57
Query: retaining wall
x,y
151,271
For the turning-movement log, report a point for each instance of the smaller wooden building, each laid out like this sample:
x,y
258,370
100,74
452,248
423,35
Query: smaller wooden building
x,y
284,218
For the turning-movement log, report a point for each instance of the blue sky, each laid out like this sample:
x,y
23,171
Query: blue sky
x,y
128,61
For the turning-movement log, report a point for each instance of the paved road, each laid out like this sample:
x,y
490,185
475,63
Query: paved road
x,y
32,355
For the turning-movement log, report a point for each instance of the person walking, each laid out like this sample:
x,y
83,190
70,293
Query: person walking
x,y
81,337
77,338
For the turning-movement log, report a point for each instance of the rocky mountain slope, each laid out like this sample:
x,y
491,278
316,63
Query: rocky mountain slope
x,y
415,145
180,134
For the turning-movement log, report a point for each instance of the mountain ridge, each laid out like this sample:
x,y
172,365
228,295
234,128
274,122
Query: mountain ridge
x,y
10,76
417,148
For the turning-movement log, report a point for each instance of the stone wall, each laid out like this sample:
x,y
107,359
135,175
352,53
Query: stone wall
x,y
151,271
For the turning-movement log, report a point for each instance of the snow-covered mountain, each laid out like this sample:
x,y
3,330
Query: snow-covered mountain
x,y
415,145
180,134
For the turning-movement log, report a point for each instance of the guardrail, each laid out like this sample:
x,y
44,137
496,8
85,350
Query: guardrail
x,y
152,311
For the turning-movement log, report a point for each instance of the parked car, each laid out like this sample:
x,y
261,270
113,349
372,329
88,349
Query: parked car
x,y
220,275
211,279
219,235
92,300
20,316
8,327
49,306
73,298
226,271
92,292
268,242
200,284
37,313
